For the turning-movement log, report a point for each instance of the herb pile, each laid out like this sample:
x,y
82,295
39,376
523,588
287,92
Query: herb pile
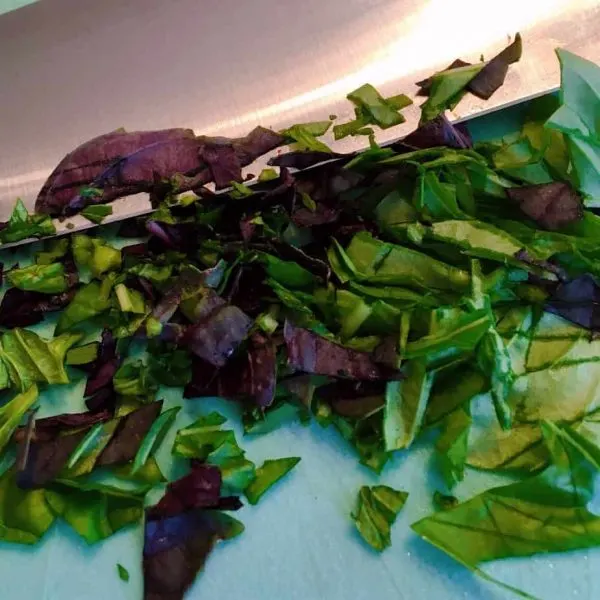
x,y
427,285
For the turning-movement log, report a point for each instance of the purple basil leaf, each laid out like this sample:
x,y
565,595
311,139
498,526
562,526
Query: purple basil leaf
x,y
550,205
176,548
578,301
353,399
260,374
128,436
205,380
201,488
86,164
50,427
41,461
492,76
311,353
258,142
439,132
223,163
21,309
216,337
303,217
104,399
181,236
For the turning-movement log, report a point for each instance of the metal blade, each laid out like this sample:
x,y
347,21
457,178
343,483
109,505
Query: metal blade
x,y
73,69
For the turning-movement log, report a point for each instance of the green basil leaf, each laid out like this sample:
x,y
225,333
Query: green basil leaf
x,y
128,300
405,404
133,378
82,355
267,475
550,512
154,438
22,225
47,279
453,444
31,359
53,250
95,254
96,213
376,510
12,413
91,300
447,89
25,515
303,136
123,573
93,510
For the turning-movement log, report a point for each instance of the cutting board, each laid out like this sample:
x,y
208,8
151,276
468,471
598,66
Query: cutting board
x,y
299,542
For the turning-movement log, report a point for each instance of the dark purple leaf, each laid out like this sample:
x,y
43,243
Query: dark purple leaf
x,y
492,76
41,461
258,142
260,373
311,353
216,337
247,228
303,217
176,548
201,488
546,265
21,309
181,236
223,163
578,301
425,84
246,289
205,380
439,132
103,399
353,399
137,250
304,160
50,427
386,353
133,228
129,434
550,205
87,163
102,375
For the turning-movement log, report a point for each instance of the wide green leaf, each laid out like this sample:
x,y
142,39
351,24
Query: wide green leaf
x,y
550,512
32,359
93,510
47,279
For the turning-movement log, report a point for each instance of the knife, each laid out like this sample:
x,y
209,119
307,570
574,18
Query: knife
x,y
74,69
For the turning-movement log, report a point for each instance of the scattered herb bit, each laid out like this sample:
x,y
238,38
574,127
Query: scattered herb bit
x,y
123,573
376,510
22,225
96,213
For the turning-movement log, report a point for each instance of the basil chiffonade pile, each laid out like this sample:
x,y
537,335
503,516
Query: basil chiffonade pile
x,y
427,287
